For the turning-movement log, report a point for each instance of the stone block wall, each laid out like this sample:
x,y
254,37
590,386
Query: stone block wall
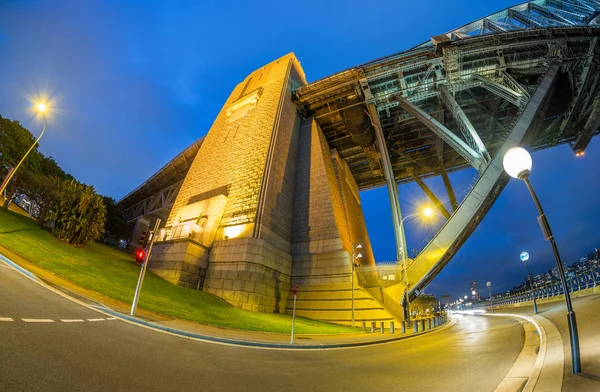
x,y
181,262
249,273
328,217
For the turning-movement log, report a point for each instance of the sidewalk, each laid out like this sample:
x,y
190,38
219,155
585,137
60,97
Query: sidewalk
x,y
194,330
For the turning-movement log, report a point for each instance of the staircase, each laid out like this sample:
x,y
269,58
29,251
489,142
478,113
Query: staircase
x,y
332,303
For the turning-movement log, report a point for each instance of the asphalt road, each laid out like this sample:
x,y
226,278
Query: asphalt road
x,y
588,318
96,354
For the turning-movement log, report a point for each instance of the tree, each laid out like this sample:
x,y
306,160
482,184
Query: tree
x,y
41,189
116,224
78,213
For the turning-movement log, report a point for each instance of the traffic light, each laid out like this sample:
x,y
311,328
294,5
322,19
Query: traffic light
x,y
140,255
143,239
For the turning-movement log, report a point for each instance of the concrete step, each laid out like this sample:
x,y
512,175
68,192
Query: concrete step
x,y
333,303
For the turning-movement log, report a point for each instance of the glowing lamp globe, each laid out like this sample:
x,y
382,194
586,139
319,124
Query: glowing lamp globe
x,y
517,162
427,211
488,284
524,256
41,107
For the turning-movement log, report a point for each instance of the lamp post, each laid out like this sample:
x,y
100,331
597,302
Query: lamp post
x,y
489,286
354,257
426,212
517,163
41,108
524,257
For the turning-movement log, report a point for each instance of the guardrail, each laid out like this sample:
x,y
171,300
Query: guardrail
x,y
580,280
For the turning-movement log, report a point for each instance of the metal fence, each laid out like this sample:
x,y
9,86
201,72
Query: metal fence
x,y
580,280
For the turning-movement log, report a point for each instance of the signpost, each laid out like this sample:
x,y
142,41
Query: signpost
x,y
294,293
136,296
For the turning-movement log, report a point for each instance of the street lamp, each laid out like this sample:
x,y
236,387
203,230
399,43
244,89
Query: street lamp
x,y
426,212
41,108
517,163
524,257
489,286
354,257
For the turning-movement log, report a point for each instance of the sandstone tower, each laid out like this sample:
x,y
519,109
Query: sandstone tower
x,y
266,204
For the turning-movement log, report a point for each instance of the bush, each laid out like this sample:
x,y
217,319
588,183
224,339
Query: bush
x,y
78,213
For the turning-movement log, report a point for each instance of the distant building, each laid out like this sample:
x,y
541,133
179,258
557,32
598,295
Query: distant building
x,y
474,290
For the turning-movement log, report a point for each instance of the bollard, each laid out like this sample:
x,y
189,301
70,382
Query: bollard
x,y
364,325
382,327
434,321
415,326
403,326
422,324
429,323
373,325
391,327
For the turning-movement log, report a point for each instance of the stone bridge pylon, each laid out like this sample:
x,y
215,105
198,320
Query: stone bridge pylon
x,y
270,197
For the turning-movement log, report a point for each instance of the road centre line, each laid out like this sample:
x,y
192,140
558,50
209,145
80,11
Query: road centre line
x,y
72,320
96,319
6,319
27,320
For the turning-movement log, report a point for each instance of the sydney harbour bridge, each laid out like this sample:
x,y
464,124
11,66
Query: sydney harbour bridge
x,y
527,75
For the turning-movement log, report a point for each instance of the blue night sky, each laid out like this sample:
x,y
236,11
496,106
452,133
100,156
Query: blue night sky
x,y
135,82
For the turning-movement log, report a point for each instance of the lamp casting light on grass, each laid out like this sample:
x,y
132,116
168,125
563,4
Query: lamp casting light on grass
x,y
41,109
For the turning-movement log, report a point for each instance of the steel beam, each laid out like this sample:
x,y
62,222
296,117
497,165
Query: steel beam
x,y
468,215
584,87
589,129
491,26
523,19
390,180
546,12
445,134
508,94
463,122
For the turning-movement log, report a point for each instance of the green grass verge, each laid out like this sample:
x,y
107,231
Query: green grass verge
x,y
113,273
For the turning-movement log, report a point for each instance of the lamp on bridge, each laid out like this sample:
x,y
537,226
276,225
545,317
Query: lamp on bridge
x,y
517,163
355,255
427,212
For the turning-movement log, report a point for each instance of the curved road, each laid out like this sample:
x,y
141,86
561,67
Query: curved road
x,y
90,352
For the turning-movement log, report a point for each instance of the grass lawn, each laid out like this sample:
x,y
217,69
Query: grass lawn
x,y
113,273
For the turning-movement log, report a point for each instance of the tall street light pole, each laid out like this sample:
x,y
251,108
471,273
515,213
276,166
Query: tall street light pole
x,y
41,108
517,163
524,257
354,257
489,286
426,212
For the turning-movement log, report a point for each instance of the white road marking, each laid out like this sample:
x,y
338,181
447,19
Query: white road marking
x,y
112,318
72,320
6,319
27,320
98,319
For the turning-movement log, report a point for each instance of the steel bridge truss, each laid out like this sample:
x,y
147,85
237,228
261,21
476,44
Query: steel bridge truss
x,y
527,75
158,201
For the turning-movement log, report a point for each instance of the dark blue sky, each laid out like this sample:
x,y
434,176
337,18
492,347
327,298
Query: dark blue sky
x,y
136,82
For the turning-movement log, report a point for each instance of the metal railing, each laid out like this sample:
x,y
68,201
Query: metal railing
x,y
576,281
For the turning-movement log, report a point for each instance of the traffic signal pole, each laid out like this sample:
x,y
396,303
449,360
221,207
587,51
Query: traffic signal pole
x,y
138,289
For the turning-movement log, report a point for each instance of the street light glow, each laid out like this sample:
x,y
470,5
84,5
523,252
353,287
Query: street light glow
x,y
517,162
41,107
427,211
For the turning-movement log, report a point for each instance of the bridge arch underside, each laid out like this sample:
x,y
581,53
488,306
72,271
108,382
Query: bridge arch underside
x,y
455,103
